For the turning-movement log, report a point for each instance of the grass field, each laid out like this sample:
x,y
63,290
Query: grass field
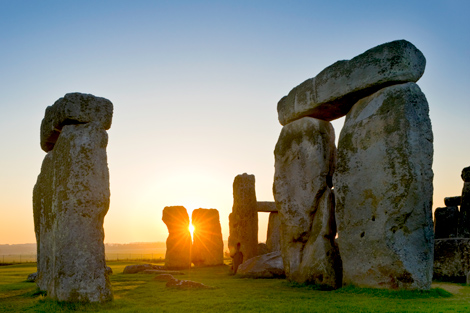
x,y
140,293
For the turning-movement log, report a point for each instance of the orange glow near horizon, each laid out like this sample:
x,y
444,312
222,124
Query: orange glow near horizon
x,y
191,230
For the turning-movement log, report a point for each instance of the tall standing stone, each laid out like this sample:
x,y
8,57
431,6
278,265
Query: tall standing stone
x,y
464,225
208,246
304,163
446,222
70,201
243,220
178,243
273,238
383,187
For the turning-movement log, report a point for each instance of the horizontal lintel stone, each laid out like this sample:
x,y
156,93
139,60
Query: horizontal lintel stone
x,y
331,94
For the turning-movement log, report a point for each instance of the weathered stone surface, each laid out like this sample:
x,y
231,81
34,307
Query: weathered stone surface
x,y
43,222
464,225
138,268
273,238
383,188
267,206
268,265
185,284
446,222
178,243
71,199
304,163
452,201
334,90
208,246
466,174
74,108
243,220
452,259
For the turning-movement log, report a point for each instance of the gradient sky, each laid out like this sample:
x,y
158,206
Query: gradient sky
x,y
195,86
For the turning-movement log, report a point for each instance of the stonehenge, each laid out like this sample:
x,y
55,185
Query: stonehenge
x,y
375,188
71,199
452,233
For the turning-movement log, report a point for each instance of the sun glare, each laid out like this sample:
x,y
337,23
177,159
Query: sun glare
x,y
191,230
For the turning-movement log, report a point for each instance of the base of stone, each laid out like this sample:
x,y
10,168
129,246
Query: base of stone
x,y
451,259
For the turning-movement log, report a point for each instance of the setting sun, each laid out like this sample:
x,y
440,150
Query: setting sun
x,y
191,230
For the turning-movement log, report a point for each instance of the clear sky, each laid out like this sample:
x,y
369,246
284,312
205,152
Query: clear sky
x,y
195,86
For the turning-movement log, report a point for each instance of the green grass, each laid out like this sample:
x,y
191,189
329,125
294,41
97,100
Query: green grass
x,y
140,293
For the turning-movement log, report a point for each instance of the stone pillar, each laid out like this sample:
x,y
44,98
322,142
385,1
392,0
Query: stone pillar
x,y
208,246
178,243
243,220
71,199
273,239
304,163
383,187
446,222
464,227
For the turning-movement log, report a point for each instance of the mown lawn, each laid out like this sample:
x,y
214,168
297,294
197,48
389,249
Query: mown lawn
x,y
140,293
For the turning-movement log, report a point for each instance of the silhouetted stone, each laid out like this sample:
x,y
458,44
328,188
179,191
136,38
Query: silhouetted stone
x,y
304,159
243,220
208,246
74,108
452,259
178,243
273,238
446,222
464,225
332,93
383,188
452,201
466,174
268,265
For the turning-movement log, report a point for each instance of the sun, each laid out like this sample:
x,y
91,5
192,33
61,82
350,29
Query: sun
x,y
191,229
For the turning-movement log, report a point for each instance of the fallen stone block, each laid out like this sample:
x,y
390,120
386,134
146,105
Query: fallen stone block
x,y
268,265
452,259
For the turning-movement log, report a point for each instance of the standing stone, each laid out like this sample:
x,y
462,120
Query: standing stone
x,y
304,164
331,94
44,221
81,201
453,201
446,222
452,259
243,221
178,243
273,239
208,246
383,187
464,225
70,201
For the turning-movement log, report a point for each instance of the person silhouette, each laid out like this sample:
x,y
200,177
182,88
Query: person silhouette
x,y
237,259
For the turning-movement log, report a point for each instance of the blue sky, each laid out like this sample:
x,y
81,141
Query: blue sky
x,y
195,86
